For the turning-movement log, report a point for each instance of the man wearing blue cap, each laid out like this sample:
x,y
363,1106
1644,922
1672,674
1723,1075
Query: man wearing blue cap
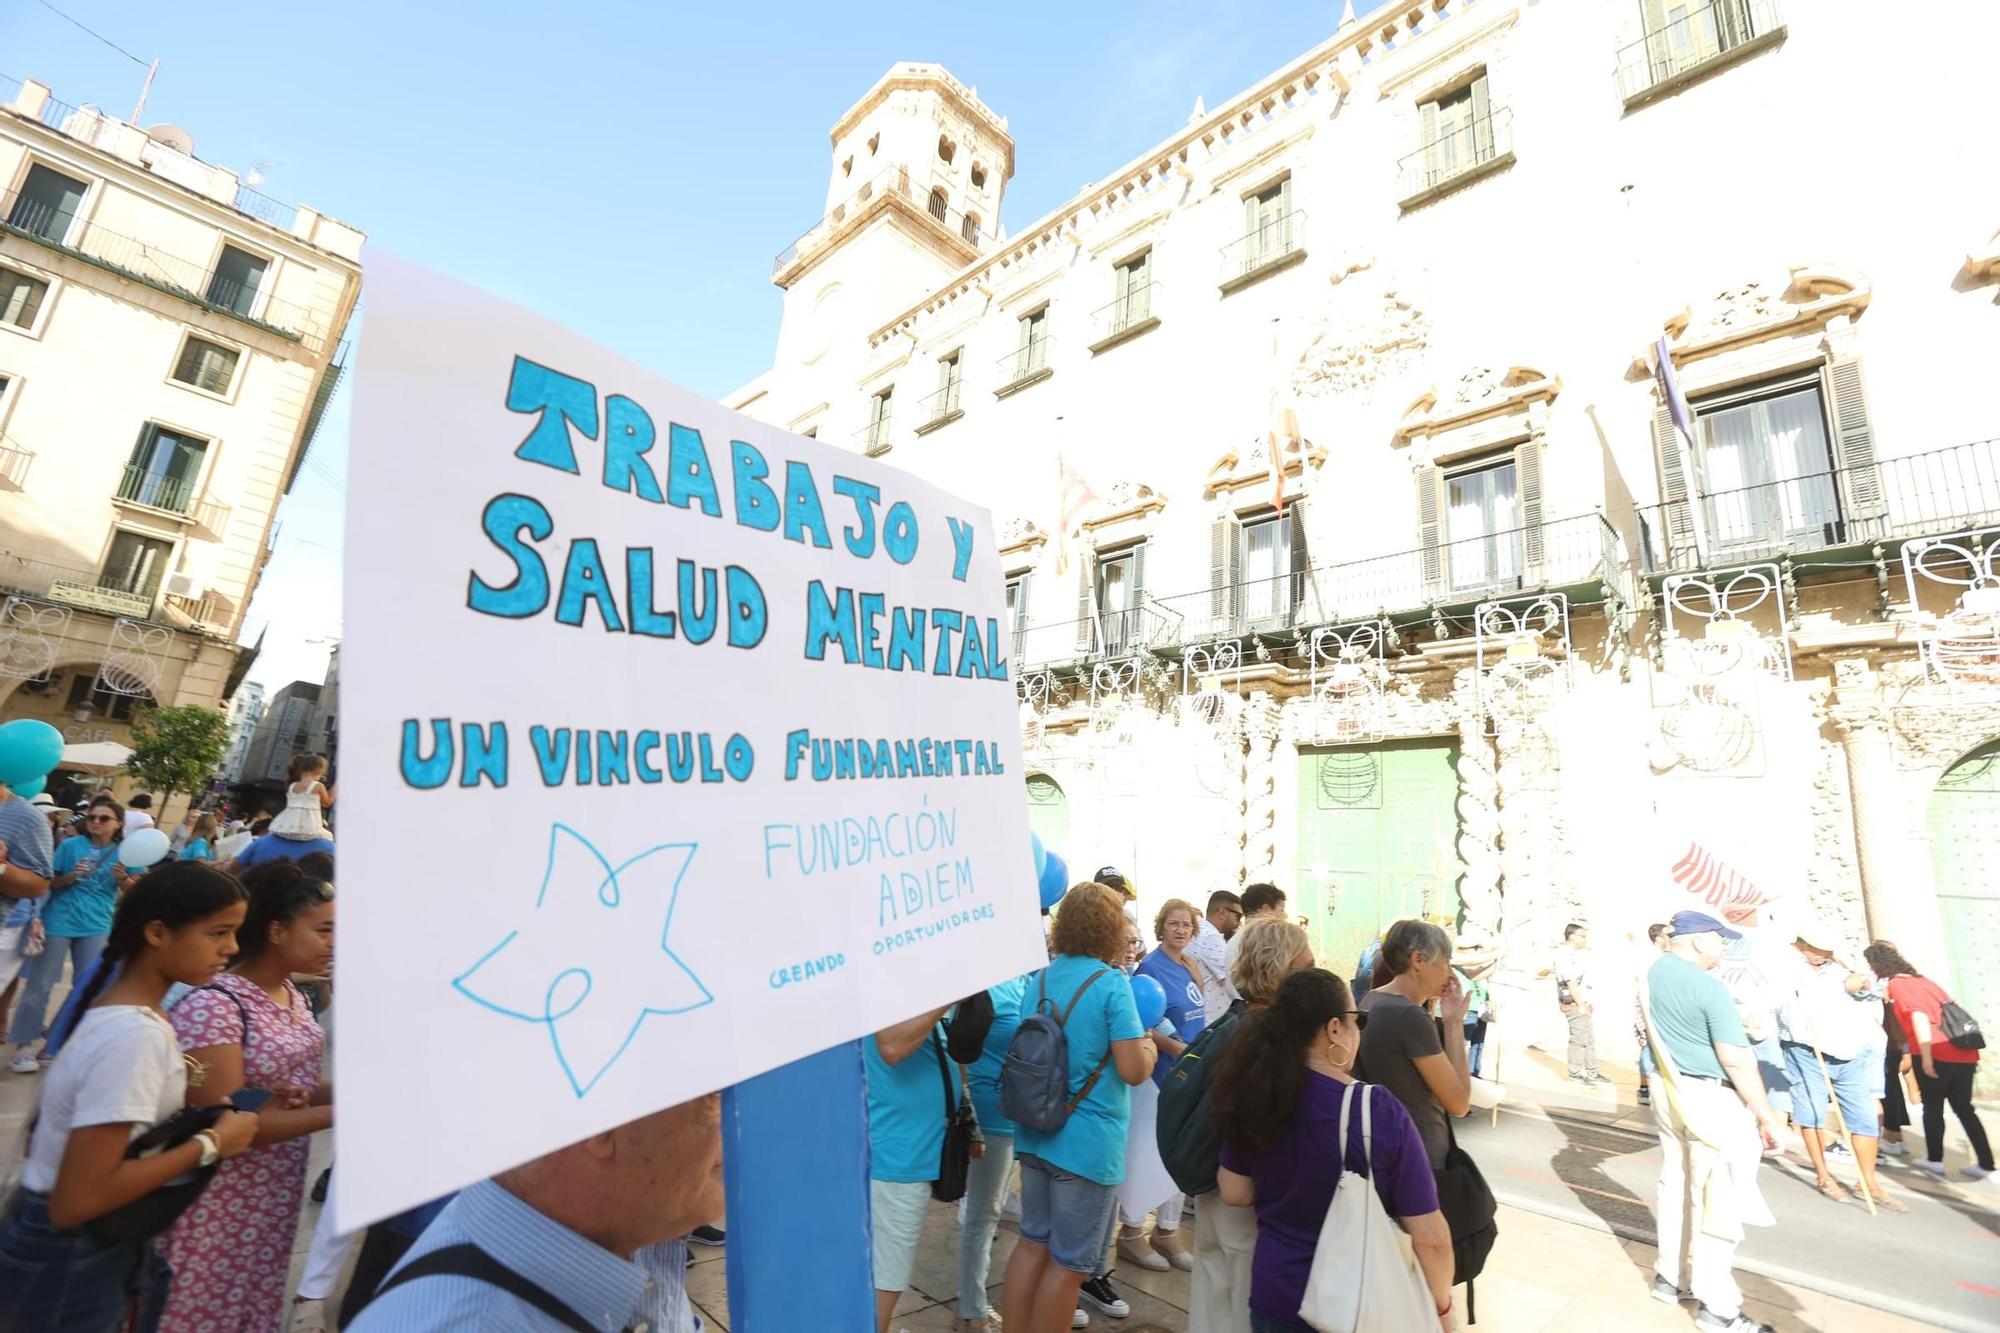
x,y
1711,1118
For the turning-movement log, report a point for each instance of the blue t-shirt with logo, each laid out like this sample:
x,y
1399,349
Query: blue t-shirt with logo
x,y
1185,1008
84,908
983,1077
1091,1143
906,1112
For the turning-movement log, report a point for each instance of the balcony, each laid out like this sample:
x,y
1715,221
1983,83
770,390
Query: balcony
x,y
961,234
34,222
67,585
1277,245
1025,365
873,438
1889,500
1125,318
14,462
939,409
1676,54
1456,159
155,490
1108,634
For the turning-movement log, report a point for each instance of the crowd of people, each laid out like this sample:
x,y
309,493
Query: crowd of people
x,y
1207,1130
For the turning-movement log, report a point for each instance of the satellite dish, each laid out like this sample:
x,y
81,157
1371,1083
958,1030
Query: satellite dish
x,y
172,136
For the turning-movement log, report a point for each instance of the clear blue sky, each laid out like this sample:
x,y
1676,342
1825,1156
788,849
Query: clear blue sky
x,y
628,169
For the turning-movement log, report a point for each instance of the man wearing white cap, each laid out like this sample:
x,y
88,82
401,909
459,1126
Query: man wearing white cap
x,y
1829,1016
1711,1110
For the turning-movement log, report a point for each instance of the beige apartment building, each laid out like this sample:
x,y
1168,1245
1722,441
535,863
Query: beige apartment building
x,y
1334,446
169,337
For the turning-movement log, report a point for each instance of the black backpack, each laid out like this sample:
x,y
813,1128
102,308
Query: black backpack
x,y
1189,1145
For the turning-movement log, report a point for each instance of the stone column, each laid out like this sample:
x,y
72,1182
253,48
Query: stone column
x,y
1898,890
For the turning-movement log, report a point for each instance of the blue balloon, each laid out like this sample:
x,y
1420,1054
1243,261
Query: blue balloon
x,y
29,790
1055,881
1041,856
1151,999
28,750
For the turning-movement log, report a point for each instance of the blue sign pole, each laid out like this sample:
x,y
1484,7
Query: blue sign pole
x,y
795,1164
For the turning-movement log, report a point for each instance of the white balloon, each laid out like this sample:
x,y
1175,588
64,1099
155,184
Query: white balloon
x,y
143,848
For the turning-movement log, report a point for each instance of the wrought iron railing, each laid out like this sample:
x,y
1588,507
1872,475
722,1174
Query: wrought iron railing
x,y
38,222
213,514
69,585
1025,362
1126,313
265,209
14,461
1888,500
934,408
1149,625
1691,41
156,490
1278,238
893,182
1463,150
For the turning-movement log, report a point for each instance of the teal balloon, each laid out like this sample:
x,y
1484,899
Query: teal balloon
x,y
1055,881
28,791
28,750
1041,856
1151,999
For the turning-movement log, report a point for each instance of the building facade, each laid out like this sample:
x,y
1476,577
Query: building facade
x,y
284,732
169,337
1335,453
246,710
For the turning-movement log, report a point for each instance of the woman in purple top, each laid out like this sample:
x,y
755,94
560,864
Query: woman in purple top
x,y
1276,1100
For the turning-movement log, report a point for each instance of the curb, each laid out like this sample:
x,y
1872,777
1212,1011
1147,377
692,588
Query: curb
x,y
1873,1300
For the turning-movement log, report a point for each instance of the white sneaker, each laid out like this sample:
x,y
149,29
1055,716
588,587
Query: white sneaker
x,y
1081,1320
24,1062
1935,1168
1975,1173
1895,1148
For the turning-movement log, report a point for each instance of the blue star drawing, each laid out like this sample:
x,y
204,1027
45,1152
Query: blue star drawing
x,y
587,963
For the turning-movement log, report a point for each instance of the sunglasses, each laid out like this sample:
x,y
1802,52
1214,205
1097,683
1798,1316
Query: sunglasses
x,y
1360,1017
100,819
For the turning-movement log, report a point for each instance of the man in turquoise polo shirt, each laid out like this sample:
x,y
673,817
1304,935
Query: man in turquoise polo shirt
x,y
1710,1122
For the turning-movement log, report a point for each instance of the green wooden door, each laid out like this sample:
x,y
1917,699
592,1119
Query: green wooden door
x,y
1048,816
1378,836
1965,848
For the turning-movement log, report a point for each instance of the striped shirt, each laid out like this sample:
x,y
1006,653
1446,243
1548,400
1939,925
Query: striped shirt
x,y
647,1293
30,846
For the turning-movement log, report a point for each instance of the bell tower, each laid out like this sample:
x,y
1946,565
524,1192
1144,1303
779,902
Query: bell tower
x,y
918,169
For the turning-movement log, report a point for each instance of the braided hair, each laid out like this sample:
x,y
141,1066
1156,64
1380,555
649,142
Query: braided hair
x,y
1256,1087
175,894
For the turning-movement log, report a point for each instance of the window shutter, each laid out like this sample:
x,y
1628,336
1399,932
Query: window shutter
x,y
1528,477
1137,630
1284,207
1086,601
1020,626
1224,566
1482,121
1301,558
1429,135
1854,448
1430,528
1676,514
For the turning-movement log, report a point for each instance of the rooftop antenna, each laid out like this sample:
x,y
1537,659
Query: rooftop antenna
x,y
146,91
255,176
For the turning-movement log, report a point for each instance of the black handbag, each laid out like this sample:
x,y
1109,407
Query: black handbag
x,y
961,1131
150,1214
1960,1028
1469,1210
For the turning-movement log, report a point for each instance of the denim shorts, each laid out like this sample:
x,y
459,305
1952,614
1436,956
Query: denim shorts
x,y
60,1277
1852,1081
1066,1213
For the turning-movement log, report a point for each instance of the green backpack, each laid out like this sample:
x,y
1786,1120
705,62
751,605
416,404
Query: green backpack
x,y
1190,1148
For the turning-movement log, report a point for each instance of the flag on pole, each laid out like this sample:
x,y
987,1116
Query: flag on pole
x,y
1683,418
1282,438
1074,496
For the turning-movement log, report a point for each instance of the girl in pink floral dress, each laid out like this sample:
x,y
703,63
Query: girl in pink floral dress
x,y
251,1028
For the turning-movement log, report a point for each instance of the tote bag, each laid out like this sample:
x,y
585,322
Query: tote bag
x,y
1365,1277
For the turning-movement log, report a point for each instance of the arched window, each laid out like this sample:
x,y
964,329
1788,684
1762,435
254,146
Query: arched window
x,y
978,176
847,167
874,142
969,228
940,206
946,148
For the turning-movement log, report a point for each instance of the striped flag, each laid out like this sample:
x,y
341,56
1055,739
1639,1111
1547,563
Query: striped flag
x,y
1073,497
1709,878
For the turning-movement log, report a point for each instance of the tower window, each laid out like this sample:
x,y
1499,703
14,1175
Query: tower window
x,y
968,227
947,150
940,205
874,142
847,167
978,176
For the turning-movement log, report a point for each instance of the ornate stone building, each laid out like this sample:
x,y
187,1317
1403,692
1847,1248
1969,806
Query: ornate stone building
x,y
1335,451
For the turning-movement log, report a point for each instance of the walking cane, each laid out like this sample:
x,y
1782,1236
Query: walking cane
x,y
1839,1120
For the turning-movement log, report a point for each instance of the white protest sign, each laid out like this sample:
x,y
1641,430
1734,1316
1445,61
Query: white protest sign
x,y
674,747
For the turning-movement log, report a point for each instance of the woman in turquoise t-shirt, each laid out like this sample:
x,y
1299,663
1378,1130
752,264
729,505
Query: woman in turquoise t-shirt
x,y
76,916
200,845
1070,1175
